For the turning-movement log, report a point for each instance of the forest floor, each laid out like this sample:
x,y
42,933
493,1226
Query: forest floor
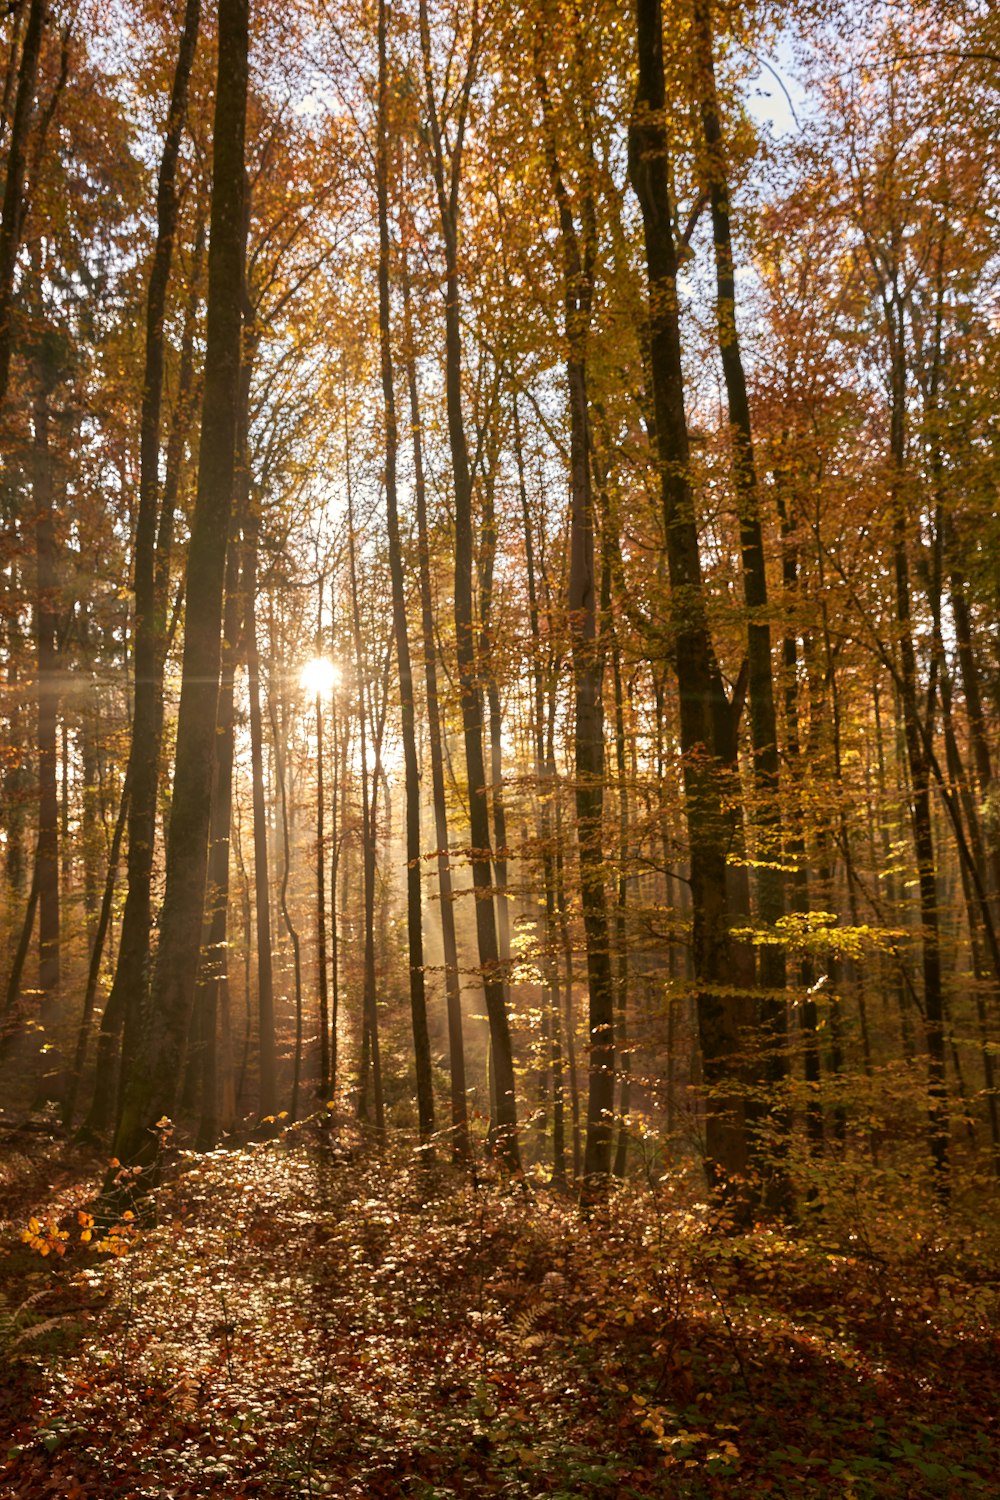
x,y
306,1319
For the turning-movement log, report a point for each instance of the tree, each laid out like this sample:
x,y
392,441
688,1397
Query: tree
x,y
151,1089
407,705
151,571
578,253
447,176
707,717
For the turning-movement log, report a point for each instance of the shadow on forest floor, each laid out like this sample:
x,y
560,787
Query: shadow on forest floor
x,y
305,1320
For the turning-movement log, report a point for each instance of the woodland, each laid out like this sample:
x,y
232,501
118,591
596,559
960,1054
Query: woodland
x,y
499,705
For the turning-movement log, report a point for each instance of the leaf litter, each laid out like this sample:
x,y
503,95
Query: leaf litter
x,y
307,1319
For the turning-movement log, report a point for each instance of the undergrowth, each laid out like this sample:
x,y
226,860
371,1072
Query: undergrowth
x,y
309,1319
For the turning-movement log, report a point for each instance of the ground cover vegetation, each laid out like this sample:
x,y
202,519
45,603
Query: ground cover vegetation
x,y
309,1318
499,846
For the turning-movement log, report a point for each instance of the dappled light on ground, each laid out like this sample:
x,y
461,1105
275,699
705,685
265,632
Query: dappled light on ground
x,y
305,1319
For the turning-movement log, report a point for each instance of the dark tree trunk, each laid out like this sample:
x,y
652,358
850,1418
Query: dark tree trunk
x,y
321,946
12,70
796,844
279,731
705,713
46,639
152,1087
17,778
213,978
268,1102
983,982
621,902
150,582
414,921
449,942
578,254
337,818
486,931
920,778
545,792
370,1070
96,955
13,208
763,723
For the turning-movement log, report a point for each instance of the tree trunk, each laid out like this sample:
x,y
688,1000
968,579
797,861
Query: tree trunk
x,y
414,920
796,844
705,714
371,1063
279,732
152,1087
46,638
449,942
578,255
546,791
151,561
96,955
268,1102
213,978
920,804
763,722
621,903
11,223
481,856
323,1090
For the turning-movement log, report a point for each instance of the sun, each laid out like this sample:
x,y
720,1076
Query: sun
x,y
320,676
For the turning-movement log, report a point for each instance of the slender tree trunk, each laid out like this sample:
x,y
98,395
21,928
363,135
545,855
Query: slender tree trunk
x,y
578,255
981,978
705,714
763,720
16,779
151,560
96,956
546,791
920,805
972,692
213,978
486,931
91,823
152,1087
11,1023
449,942
46,638
371,1064
11,71
796,844
262,884
321,950
11,223
621,904
337,818
279,739
414,919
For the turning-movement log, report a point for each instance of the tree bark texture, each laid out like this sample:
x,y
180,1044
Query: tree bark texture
x,y
705,713
411,768
151,1090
